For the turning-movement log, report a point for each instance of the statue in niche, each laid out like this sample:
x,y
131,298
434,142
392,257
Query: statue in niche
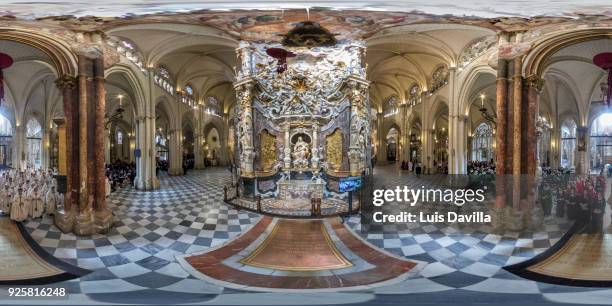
x,y
301,153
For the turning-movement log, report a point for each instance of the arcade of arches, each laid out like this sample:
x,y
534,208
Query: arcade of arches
x,y
166,95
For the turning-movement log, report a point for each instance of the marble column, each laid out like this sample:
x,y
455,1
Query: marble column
x,y
502,116
64,218
102,214
84,219
501,135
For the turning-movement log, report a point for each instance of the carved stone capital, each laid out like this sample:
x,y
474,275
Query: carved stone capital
x,y
534,81
66,81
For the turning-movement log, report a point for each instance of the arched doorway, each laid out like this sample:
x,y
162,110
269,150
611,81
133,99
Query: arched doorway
x,y
392,140
212,147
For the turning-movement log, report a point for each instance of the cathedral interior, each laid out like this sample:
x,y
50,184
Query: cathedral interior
x,y
230,153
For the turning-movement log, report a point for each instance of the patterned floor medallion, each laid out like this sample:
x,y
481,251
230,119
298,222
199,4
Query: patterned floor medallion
x,y
298,246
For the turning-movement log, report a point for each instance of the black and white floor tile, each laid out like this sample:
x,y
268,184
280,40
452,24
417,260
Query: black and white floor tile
x,y
135,262
184,216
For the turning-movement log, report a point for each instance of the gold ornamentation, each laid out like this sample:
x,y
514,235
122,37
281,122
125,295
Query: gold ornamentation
x,y
334,150
268,150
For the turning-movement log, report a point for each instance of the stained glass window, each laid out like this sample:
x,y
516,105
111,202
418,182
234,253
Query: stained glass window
x,y
189,90
163,80
33,129
482,143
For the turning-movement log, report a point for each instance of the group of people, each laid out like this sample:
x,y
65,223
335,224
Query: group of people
x,y
188,162
581,199
29,194
412,166
120,174
481,167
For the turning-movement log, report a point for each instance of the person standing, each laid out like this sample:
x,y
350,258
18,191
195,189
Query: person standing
x,y
38,207
50,201
19,208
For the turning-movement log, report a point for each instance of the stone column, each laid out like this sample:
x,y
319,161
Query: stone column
x,y
175,166
582,165
461,145
139,181
102,215
68,149
152,182
453,124
84,220
197,148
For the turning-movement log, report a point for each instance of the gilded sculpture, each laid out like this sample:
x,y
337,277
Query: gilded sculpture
x,y
334,150
268,150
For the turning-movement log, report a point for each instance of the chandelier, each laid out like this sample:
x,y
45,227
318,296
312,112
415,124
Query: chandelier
x,y
485,114
604,61
117,115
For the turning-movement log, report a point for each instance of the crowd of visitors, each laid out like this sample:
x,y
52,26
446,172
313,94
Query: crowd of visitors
x,y
28,194
120,174
481,167
578,198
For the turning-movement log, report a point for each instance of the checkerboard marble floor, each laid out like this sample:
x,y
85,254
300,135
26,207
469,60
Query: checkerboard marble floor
x,y
184,216
135,262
